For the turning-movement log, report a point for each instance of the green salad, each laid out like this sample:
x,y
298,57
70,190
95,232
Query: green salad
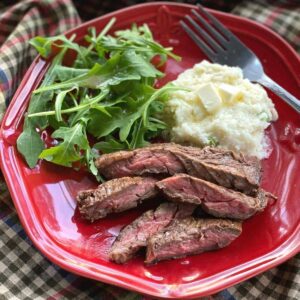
x,y
106,96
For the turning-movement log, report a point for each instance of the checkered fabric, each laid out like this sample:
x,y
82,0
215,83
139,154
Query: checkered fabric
x,y
24,272
18,24
281,16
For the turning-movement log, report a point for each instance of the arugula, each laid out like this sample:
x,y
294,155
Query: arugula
x,y
110,144
120,67
108,92
29,143
72,141
213,141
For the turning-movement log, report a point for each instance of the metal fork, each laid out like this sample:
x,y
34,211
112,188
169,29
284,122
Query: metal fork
x,y
221,46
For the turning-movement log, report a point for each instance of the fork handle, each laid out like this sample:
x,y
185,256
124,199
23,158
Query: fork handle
x,y
280,91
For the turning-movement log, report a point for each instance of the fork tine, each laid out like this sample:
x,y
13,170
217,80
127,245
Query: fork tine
x,y
200,43
209,28
206,37
216,23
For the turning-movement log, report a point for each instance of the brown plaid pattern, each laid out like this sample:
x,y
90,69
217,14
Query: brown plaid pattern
x,y
24,272
281,16
18,24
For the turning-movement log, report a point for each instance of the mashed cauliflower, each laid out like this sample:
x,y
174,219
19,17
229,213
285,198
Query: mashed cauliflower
x,y
221,109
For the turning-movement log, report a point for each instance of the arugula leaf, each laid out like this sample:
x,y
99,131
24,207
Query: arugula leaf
x,y
121,117
134,63
74,140
29,144
44,45
90,156
58,103
66,73
135,31
77,108
119,68
141,40
138,135
102,124
40,102
93,39
213,141
110,144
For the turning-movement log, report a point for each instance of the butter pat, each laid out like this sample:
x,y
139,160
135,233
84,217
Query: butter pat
x,y
230,93
209,97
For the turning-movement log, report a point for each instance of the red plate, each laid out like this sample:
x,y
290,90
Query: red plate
x,y
44,196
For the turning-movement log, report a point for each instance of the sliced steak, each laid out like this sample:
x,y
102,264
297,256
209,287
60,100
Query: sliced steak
x,y
115,195
191,236
237,209
216,165
214,199
135,235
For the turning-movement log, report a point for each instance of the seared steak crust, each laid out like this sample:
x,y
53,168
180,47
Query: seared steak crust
x,y
214,199
191,236
115,195
135,235
223,167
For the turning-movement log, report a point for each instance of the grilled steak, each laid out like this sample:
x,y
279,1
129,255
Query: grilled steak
x,y
214,199
135,235
115,196
216,165
191,236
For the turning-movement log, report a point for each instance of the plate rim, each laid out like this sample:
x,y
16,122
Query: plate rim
x,y
187,290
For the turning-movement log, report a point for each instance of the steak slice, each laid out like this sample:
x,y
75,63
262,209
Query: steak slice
x,y
115,195
135,235
214,199
191,236
216,165
243,209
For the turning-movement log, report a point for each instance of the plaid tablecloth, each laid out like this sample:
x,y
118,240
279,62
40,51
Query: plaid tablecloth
x,y
24,272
